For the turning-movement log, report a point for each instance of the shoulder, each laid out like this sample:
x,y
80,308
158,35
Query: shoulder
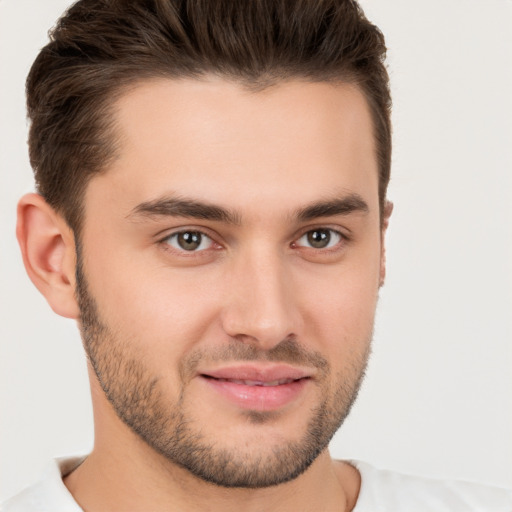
x,y
383,491
49,494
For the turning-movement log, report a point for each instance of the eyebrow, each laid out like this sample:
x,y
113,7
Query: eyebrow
x,y
191,208
346,205
183,207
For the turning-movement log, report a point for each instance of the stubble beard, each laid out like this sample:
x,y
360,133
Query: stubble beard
x,y
137,398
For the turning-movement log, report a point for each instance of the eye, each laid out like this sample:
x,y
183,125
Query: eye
x,y
321,238
190,241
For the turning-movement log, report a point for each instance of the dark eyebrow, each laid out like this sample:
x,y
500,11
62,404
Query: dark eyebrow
x,y
339,206
183,207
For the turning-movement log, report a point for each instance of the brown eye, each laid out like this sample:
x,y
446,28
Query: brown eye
x,y
321,238
189,241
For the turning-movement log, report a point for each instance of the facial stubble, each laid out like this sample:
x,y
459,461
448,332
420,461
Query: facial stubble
x,y
138,399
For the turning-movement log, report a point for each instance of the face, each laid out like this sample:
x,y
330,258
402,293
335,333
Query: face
x,y
229,268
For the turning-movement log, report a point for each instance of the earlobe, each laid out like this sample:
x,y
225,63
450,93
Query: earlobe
x,y
388,210
48,249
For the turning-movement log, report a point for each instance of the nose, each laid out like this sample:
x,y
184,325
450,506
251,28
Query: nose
x,y
260,305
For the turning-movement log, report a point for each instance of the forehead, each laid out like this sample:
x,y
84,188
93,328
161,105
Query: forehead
x,y
215,140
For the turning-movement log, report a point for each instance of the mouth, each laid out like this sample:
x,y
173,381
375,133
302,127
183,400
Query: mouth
x,y
258,388
278,382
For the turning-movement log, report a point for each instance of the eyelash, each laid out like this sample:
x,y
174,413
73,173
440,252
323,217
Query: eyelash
x,y
340,238
166,242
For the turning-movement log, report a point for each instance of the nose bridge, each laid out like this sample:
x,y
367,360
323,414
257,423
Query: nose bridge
x,y
260,305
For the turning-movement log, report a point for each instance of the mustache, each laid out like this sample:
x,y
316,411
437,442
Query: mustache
x,y
287,351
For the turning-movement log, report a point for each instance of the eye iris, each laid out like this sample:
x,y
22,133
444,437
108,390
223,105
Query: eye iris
x,y
319,238
189,240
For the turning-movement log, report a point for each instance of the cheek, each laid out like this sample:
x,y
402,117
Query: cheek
x,y
151,305
170,310
339,310
344,311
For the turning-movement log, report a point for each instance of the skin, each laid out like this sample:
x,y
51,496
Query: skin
x,y
254,283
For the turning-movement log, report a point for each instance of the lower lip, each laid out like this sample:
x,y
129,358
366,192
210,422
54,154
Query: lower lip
x,y
259,398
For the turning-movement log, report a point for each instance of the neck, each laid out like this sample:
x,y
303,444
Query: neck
x,y
109,480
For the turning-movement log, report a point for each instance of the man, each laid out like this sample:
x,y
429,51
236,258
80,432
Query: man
x,y
212,211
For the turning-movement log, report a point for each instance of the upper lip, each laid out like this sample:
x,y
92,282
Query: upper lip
x,y
259,373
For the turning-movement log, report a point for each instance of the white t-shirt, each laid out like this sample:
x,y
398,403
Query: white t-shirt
x,y
381,491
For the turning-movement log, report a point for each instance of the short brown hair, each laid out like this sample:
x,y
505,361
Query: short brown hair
x,y
100,46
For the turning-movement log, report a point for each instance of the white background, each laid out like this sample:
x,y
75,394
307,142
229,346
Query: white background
x,y
437,400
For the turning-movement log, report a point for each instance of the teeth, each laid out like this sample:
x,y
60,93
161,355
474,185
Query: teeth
x,y
259,382
277,382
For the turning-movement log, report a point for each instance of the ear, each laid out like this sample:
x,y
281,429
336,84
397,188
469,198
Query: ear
x,y
388,210
48,247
